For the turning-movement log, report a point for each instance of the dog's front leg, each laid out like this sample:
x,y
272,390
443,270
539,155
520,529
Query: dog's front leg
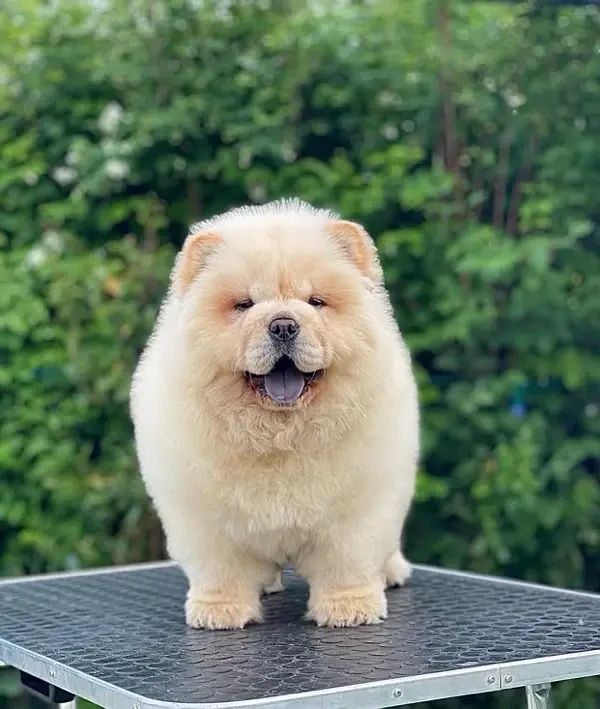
x,y
224,592
347,579
225,581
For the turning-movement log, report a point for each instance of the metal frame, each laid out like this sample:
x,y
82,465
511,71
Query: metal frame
x,y
535,675
539,696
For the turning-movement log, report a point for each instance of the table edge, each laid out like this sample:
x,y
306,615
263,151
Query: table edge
x,y
96,571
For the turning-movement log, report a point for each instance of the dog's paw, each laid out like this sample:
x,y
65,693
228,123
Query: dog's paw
x,y
276,584
397,570
360,606
225,613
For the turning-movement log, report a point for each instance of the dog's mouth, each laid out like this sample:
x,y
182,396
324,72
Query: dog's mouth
x,y
285,383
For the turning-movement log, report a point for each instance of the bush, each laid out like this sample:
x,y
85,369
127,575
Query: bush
x,y
72,327
464,135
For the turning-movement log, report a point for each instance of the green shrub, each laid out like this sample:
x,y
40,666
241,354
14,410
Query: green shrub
x,y
464,135
72,327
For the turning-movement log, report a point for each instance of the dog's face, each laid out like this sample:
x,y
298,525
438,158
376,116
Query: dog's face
x,y
278,307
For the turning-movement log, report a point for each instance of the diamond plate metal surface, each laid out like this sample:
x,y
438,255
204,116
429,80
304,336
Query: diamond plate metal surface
x,y
127,629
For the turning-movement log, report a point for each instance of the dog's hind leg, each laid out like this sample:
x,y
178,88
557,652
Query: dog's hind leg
x,y
397,570
275,585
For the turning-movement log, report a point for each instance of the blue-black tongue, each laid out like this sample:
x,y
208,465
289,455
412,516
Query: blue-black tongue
x,y
284,383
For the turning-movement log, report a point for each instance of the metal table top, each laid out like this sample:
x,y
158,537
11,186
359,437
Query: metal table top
x,y
118,638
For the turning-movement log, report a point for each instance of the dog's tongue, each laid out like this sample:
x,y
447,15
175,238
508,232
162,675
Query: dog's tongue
x,y
284,384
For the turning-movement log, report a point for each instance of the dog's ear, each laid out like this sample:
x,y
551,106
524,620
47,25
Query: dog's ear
x,y
191,259
358,246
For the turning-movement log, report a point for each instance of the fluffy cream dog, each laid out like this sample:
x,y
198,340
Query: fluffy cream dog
x,y
276,417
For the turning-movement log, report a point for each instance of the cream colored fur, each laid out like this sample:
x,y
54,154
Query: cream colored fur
x,y
244,486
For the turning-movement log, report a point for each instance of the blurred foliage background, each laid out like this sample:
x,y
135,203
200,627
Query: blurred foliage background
x,y
464,135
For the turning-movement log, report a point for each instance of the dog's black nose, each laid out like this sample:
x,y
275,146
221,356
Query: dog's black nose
x,y
283,329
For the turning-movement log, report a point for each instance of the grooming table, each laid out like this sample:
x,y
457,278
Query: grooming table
x,y
117,637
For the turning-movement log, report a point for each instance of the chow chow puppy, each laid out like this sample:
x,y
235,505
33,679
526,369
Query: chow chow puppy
x,y
276,417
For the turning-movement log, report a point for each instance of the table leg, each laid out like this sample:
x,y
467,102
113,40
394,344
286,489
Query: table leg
x,y
54,696
539,696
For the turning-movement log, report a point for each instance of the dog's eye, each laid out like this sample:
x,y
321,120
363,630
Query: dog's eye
x,y
316,302
244,304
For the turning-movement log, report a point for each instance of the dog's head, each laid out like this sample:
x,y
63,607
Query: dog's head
x,y
278,304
